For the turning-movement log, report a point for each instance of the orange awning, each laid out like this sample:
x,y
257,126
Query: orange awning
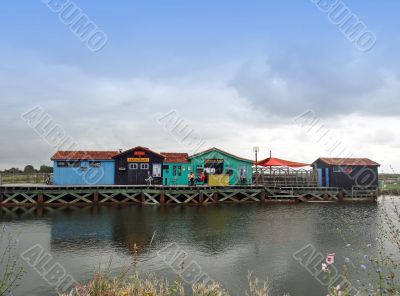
x,y
272,161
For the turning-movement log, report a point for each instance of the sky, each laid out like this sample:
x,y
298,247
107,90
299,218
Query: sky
x,y
237,74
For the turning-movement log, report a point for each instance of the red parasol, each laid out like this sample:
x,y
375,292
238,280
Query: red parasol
x,y
272,161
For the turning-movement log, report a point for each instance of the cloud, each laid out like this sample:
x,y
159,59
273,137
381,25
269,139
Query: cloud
x,y
255,108
103,113
286,84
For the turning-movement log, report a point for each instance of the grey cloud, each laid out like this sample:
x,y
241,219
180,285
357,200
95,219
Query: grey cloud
x,y
286,85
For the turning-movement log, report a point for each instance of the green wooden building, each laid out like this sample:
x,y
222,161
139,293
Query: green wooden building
x,y
222,168
176,168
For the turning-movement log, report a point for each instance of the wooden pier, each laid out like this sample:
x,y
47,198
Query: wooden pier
x,y
31,196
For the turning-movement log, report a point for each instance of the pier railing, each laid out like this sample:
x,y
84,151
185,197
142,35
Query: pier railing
x,y
284,177
20,196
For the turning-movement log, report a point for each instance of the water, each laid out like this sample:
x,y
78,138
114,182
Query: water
x,y
227,241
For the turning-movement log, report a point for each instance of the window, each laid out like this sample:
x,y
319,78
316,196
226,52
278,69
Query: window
x,y
94,164
174,170
214,166
199,170
229,170
144,166
133,166
157,170
243,172
68,164
177,170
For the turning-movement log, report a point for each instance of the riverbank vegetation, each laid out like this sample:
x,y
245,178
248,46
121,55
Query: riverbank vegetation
x,y
11,271
135,285
370,268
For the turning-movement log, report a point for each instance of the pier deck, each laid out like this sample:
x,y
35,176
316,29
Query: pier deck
x,y
37,195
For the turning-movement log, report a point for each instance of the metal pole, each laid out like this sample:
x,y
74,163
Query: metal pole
x,y
256,162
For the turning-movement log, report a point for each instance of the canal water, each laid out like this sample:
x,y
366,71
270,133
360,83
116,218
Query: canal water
x,y
226,241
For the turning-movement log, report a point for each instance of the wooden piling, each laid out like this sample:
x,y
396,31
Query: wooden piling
x,y
142,197
96,197
201,197
40,198
162,197
216,197
263,196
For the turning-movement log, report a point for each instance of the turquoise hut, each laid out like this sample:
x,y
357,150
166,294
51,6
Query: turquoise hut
x,y
176,168
222,168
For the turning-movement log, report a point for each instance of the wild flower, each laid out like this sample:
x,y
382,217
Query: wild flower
x,y
11,271
330,259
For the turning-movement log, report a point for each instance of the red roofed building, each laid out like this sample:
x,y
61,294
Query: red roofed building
x,y
171,157
176,168
83,168
84,155
347,173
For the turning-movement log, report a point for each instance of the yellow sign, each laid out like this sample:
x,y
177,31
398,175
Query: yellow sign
x,y
218,180
138,159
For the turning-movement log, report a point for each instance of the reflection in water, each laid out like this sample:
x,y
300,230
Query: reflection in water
x,y
226,240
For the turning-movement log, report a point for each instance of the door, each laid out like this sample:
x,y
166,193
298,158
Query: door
x,y
323,177
138,173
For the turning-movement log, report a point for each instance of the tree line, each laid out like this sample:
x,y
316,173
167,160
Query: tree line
x,y
29,169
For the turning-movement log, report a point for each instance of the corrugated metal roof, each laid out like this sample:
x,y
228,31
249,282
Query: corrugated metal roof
x,y
349,161
172,157
84,155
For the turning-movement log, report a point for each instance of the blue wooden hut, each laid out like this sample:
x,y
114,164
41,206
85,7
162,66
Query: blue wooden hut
x,y
84,167
346,173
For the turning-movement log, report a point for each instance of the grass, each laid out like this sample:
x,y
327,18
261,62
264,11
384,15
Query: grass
x,y
391,189
34,178
135,285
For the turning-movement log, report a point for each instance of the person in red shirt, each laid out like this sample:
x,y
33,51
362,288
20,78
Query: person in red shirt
x,y
202,177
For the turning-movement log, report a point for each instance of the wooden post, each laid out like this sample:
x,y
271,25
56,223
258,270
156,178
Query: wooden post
x,y
162,197
40,198
340,196
263,194
215,197
142,197
96,197
201,197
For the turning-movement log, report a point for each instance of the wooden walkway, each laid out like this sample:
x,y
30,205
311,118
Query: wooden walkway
x,y
23,196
